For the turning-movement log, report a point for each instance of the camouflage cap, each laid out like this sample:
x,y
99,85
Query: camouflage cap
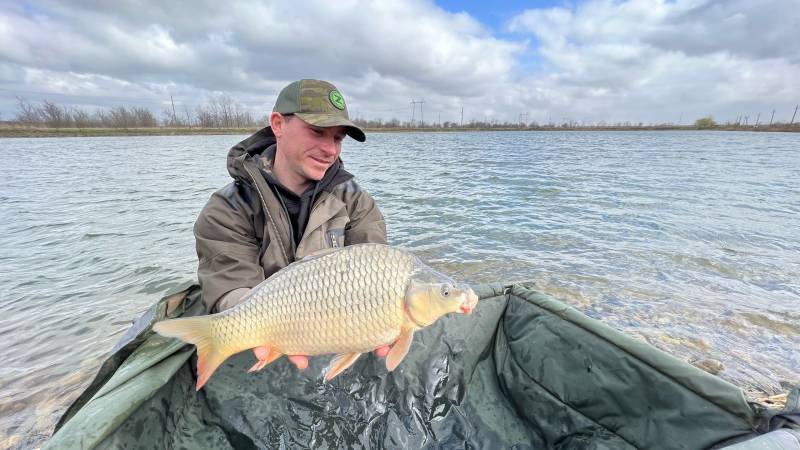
x,y
319,103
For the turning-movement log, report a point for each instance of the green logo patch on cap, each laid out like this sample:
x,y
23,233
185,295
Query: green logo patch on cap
x,y
336,99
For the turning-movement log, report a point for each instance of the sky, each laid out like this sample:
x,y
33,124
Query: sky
x,y
584,61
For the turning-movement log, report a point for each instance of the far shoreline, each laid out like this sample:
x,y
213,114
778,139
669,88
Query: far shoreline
x,y
43,132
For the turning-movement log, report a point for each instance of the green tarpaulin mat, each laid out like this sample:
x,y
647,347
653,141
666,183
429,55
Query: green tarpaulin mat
x,y
523,371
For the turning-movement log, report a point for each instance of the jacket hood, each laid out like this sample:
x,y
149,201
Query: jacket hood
x,y
250,149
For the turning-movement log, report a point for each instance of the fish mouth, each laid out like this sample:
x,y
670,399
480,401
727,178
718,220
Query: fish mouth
x,y
471,301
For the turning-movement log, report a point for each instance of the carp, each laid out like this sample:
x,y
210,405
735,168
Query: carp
x,y
344,301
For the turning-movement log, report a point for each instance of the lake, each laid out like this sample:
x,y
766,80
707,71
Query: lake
x,y
687,240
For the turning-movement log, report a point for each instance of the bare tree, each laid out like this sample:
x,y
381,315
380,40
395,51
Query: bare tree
x,y
81,118
55,116
143,118
27,114
188,120
205,118
120,117
101,119
168,119
223,112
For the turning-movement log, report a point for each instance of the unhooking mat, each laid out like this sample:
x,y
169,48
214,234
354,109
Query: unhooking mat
x,y
523,371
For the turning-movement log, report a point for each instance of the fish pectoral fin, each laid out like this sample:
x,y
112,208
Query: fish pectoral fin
x,y
264,359
399,349
338,364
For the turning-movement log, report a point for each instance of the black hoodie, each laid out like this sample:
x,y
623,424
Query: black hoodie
x,y
298,207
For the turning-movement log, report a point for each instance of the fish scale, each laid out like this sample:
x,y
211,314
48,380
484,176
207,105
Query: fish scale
x,y
284,316
345,301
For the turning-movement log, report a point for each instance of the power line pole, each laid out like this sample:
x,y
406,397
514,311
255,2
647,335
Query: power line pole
x,y
414,104
174,119
757,119
462,117
795,113
773,116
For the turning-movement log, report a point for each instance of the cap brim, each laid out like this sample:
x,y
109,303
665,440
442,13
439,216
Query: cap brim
x,y
328,120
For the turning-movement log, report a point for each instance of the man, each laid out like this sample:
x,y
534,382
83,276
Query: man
x,y
291,196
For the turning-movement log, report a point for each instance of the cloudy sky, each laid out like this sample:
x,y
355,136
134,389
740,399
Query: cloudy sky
x,y
584,60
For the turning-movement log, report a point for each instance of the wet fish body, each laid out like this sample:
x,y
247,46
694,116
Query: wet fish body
x,y
345,302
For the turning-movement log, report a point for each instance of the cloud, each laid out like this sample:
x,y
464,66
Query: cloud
x,y
752,30
257,47
653,60
634,60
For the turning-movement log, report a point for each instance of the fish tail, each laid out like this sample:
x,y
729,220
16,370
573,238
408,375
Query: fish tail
x,y
197,331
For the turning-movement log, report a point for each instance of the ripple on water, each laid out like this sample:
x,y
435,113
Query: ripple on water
x,y
684,240
774,325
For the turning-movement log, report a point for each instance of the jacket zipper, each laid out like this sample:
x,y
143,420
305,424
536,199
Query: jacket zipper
x,y
332,238
269,216
332,241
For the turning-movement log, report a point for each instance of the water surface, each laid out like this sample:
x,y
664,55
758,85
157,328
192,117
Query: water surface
x,y
688,240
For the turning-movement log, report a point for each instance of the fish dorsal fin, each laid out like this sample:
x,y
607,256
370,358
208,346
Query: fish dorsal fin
x,y
321,252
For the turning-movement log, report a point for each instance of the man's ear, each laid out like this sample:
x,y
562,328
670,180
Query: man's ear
x,y
276,122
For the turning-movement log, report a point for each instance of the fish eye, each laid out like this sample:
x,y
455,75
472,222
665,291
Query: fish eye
x,y
446,290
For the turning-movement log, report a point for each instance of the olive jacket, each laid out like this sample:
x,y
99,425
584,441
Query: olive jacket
x,y
244,234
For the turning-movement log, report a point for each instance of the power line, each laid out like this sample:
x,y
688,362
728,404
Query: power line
x,y
414,104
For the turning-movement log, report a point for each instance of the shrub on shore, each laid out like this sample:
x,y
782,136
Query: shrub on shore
x,y
705,122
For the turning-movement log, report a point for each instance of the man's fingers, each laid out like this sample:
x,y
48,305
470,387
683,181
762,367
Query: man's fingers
x,y
300,361
381,352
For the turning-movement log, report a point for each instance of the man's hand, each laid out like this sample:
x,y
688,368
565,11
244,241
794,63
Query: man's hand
x,y
301,362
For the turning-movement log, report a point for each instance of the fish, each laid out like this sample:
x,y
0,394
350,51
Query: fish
x,y
344,301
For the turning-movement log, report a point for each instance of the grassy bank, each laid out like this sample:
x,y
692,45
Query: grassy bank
x,y
33,132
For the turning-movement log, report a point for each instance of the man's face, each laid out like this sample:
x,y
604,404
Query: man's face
x,y
307,150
